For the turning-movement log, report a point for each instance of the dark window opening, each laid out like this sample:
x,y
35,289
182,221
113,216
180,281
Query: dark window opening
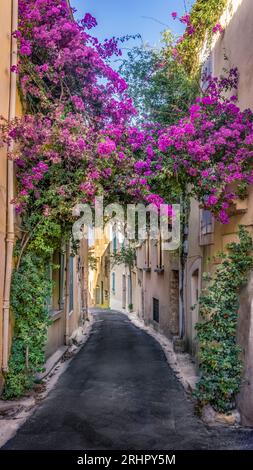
x,y
156,310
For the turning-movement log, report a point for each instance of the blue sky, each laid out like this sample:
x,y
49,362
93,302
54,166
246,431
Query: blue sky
x,y
122,17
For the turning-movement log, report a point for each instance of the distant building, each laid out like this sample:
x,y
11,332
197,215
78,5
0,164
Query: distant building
x,y
121,297
150,288
157,287
99,274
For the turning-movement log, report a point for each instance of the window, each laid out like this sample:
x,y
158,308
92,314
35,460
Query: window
x,y
113,282
206,222
71,283
159,253
156,310
147,253
115,244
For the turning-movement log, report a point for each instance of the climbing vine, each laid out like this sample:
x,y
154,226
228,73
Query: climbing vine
x,y
30,288
210,150
201,24
219,354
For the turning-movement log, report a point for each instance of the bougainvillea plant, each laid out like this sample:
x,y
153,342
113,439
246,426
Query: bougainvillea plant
x,y
77,139
211,150
72,143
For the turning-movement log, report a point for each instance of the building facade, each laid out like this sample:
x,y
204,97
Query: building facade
x,y
150,288
68,305
157,287
207,237
122,288
99,273
10,107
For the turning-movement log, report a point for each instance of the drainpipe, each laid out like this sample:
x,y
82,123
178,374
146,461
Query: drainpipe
x,y
10,234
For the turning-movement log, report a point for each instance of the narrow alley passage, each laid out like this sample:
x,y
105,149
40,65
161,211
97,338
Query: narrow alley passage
x,y
120,393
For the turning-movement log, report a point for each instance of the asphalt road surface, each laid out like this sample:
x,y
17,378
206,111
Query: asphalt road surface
x,y
120,393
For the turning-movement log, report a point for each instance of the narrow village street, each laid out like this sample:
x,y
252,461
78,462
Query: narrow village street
x,y
126,230
120,393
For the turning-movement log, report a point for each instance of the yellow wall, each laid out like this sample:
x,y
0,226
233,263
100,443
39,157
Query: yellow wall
x,y
101,251
5,76
5,41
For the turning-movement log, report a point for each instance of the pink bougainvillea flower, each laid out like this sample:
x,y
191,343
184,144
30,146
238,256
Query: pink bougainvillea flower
x,y
185,19
89,21
191,30
107,147
78,102
25,49
218,28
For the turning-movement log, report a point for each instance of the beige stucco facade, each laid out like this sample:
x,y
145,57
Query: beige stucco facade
x,y
119,288
5,85
236,44
66,318
99,275
122,294
157,287
69,307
